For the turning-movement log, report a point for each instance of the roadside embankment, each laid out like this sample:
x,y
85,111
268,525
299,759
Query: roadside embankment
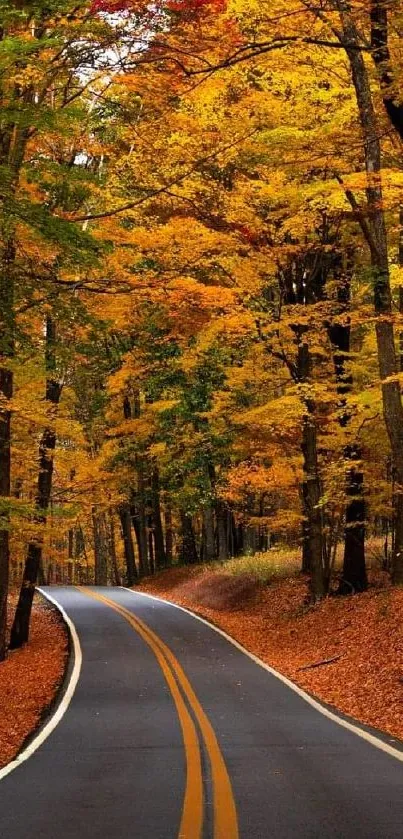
x,y
30,677
346,651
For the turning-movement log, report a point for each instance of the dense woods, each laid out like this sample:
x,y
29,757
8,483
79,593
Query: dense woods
x,y
201,288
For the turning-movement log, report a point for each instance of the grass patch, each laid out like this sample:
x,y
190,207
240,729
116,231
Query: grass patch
x,y
277,562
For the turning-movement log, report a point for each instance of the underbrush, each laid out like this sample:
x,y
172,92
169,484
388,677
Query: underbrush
x,y
227,584
277,562
231,584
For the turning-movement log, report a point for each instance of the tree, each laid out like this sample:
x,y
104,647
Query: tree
x,y
20,627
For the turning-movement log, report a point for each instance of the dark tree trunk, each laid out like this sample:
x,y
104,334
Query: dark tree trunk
x,y
381,57
6,393
222,534
354,575
250,539
168,534
232,541
138,505
12,149
306,545
139,521
150,539
188,550
142,519
374,228
160,556
302,284
401,286
312,486
313,511
100,548
397,529
80,549
401,312
126,524
208,535
70,543
112,544
20,628
240,539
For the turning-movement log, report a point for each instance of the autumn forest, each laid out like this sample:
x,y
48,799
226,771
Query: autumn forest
x,y
201,289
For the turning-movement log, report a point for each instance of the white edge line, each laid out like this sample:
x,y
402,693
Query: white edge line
x,y
360,732
64,702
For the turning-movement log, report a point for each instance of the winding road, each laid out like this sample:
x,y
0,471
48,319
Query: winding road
x,y
172,731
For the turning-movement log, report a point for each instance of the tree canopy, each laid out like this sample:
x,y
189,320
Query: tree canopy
x,y
201,287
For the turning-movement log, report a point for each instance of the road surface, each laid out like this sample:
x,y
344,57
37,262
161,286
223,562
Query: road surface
x,y
174,732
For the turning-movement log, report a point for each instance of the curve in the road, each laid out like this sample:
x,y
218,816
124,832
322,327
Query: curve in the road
x,y
225,817
116,765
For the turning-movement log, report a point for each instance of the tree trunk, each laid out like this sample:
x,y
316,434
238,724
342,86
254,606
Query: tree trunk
x,y
138,516
100,548
188,550
221,516
126,523
354,575
240,539
168,534
381,57
306,545
142,519
20,628
208,536
150,539
374,229
313,512
160,556
112,546
138,504
6,393
312,486
232,541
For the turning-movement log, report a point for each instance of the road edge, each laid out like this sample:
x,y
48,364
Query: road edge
x,y
323,709
66,693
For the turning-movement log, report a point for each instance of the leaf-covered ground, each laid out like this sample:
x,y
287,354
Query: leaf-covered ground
x,y
364,631
29,678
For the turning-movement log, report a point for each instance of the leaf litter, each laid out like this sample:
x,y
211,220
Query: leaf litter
x,y
30,677
357,641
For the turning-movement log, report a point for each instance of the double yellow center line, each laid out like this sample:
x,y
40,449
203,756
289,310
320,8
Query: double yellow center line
x,y
224,810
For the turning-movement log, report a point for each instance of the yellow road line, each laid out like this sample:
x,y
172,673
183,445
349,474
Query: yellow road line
x,y
225,816
192,813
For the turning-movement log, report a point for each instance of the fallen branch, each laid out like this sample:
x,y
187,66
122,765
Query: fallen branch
x,y
320,663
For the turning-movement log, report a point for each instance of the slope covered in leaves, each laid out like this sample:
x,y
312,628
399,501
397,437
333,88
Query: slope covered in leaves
x,y
29,679
362,634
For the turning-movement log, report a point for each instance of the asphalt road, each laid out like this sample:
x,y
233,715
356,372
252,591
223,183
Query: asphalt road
x,y
174,732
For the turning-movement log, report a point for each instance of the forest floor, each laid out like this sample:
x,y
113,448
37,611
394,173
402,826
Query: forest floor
x,y
362,633
30,677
